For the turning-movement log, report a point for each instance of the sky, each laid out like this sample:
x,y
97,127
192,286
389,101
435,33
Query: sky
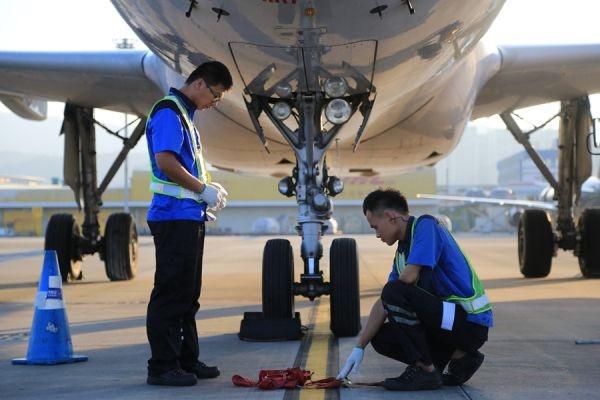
x,y
95,25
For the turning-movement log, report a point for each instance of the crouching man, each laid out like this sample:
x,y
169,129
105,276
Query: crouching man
x,y
433,311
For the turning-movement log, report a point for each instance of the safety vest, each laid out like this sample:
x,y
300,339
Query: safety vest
x,y
169,188
475,304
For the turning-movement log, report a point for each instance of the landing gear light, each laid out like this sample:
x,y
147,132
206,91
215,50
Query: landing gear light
x,y
335,186
286,186
336,86
281,110
338,111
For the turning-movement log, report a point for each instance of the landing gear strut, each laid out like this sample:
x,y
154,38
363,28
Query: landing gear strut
x,y
538,239
320,88
118,246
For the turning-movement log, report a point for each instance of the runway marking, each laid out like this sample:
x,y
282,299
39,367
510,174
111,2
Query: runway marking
x,y
318,353
20,255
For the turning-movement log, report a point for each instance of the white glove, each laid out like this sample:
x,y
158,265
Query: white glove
x,y
220,187
211,196
353,362
223,193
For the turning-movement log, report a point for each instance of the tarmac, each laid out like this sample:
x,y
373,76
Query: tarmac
x,y
531,354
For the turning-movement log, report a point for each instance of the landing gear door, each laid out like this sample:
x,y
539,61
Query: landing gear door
x,y
304,68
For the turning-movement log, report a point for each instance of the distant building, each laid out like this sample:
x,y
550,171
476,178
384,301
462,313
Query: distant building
x,y
519,169
25,208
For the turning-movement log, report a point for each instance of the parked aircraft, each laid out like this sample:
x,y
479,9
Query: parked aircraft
x,y
318,80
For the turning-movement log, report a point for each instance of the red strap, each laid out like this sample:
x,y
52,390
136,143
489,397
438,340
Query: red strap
x,y
327,383
286,379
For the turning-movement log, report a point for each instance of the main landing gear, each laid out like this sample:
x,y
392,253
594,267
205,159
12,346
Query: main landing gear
x,y
538,237
118,248
308,93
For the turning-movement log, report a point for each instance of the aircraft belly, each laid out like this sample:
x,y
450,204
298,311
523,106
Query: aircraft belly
x,y
425,73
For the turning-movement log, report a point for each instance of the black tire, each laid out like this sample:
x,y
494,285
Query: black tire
x,y
589,250
535,244
62,235
345,299
278,279
120,247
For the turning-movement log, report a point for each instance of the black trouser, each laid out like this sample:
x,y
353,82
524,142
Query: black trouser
x,y
414,331
171,318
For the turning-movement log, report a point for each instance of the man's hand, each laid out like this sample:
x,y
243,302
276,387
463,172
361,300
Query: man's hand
x,y
223,193
211,196
352,363
221,188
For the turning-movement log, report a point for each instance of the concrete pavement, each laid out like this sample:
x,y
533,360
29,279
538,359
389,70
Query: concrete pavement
x,y
531,353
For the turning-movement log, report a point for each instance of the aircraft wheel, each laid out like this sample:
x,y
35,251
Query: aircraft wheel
x,y
535,244
589,249
120,247
62,235
345,300
278,279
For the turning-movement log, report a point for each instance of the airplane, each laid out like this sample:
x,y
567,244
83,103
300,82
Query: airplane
x,y
589,199
366,87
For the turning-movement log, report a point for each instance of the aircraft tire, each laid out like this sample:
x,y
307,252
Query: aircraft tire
x,y
345,299
535,244
278,279
120,247
589,251
62,235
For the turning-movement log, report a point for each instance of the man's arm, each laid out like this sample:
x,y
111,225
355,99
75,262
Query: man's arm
x,y
376,319
168,163
410,274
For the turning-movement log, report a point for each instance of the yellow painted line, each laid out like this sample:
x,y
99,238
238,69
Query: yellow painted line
x,y
316,360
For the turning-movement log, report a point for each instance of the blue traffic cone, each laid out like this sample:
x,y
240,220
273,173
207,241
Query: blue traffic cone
x,y
50,339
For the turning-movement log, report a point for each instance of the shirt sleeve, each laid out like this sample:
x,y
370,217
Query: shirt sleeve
x,y
167,132
426,247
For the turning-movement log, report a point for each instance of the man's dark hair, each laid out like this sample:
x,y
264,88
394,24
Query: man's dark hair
x,y
385,199
213,73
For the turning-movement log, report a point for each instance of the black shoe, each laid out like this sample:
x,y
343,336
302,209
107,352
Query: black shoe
x,y
414,378
174,377
203,371
462,369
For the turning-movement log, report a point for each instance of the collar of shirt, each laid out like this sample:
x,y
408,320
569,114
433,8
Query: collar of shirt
x,y
187,102
406,240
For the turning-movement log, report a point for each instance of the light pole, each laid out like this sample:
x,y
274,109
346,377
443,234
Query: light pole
x,y
125,44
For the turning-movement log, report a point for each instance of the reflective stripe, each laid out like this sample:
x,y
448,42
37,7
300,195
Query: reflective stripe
x,y
405,321
55,282
53,304
399,310
471,306
399,262
475,304
174,191
448,313
40,299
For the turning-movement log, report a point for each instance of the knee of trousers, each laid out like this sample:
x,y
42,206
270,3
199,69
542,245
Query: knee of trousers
x,y
395,292
380,345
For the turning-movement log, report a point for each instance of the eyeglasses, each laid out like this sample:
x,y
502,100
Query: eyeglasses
x,y
216,97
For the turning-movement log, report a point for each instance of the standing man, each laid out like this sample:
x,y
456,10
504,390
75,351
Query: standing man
x,y
436,308
182,193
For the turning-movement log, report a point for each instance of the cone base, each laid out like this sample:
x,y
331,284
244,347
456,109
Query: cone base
x,y
74,358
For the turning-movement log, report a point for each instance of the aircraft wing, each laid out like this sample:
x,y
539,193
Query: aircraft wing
x,y
125,81
486,200
531,75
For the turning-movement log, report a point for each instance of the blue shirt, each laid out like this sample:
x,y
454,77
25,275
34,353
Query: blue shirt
x,y
444,268
166,132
